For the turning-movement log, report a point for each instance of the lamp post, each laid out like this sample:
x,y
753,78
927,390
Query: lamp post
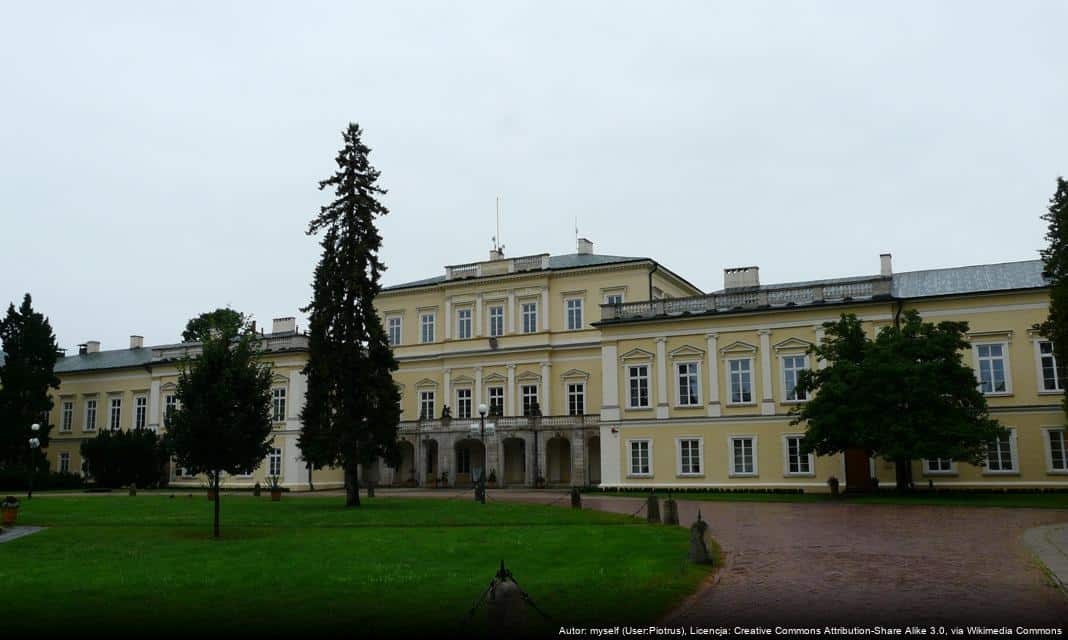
x,y
480,489
35,443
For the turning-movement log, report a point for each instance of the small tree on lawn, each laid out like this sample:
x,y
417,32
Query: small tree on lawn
x,y
123,458
30,354
223,420
1055,263
225,319
352,406
904,396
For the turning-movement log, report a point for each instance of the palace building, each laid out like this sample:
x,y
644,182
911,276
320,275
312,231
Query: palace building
x,y
616,372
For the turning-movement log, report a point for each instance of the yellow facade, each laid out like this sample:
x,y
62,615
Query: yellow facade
x,y
639,378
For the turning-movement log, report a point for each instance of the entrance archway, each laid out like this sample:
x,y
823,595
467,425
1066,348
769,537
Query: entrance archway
x,y
405,475
515,461
558,461
430,462
470,460
593,460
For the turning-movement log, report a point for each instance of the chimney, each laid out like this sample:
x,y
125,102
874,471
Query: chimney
x,y
92,346
136,342
496,253
584,247
284,325
884,265
741,277
253,326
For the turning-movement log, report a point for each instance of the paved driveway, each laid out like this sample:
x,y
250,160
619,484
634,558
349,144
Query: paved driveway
x,y
848,564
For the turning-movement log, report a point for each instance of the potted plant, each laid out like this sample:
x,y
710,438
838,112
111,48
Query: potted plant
x,y
539,482
832,482
207,487
10,509
491,482
275,487
444,481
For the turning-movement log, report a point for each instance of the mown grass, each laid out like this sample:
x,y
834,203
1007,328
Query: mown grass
x,y
1046,500
147,564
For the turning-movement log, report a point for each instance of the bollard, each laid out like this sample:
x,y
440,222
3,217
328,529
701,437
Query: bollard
x,y
652,511
371,489
576,498
698,549
256,490
133,488
671,511
505,607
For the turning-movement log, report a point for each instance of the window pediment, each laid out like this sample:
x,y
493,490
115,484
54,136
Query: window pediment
x,y
990,335
792,344
636,354
687,351
426,382
528,376
575,373
738,348
463,380
494,377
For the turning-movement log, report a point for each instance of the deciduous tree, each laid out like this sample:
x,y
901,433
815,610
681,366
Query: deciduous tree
x,y
221,320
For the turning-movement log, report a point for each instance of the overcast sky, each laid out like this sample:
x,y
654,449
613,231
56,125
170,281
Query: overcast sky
x,y
161,159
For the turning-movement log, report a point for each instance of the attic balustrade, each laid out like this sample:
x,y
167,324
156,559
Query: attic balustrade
x,y
266,343
497,267
506,423
867,289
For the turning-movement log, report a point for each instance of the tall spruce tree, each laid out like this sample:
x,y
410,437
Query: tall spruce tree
x,y
1055,263
26,375
352,405
903,396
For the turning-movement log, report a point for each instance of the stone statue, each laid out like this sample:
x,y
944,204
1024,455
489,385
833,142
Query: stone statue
x,y
698,549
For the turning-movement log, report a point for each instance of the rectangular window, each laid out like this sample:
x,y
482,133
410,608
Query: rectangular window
x,y
393,326
66,419
797,463
1000,455
638,383
64,462
613,298
496,321
743,462
791,367
1058,456
274,462
170,405
741,380
426,405
1051,374
463,324
426,327
689,456
140,412
463,403
939,465
639,458
496,401
688,381
278,404
576,398
115,416
574,314
991,368
530,398
530,317
90,415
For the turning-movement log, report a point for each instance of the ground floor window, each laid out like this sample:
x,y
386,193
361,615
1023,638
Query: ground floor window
x,y
743,456
797,463
690,456
1000,456
1058,457
64,462
938,465
639,458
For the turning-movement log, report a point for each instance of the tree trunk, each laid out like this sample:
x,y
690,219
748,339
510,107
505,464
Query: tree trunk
x,y
215,482
903,474
352,485
311,487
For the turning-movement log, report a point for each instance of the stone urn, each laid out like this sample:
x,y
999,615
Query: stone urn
x,y
276,495
10,510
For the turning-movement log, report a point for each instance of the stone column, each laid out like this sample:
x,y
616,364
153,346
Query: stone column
x,y
154,416
767,405
545,309
578,458
546,389
714,408
493,457
661,379
509,313
419,451
543,438
478,316
509,394
528,456
478,391
447,456
447,321
447,389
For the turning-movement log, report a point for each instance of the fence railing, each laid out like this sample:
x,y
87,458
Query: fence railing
x,y
752,299
506,423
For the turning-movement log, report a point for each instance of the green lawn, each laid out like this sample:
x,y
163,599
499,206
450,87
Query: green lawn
x,y
308,564
1048,500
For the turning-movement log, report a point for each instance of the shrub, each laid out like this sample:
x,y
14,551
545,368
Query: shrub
x,y
14,479
121,458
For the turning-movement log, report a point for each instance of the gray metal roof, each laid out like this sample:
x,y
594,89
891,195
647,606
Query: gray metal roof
x,y
116,359
566,261
1005,276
